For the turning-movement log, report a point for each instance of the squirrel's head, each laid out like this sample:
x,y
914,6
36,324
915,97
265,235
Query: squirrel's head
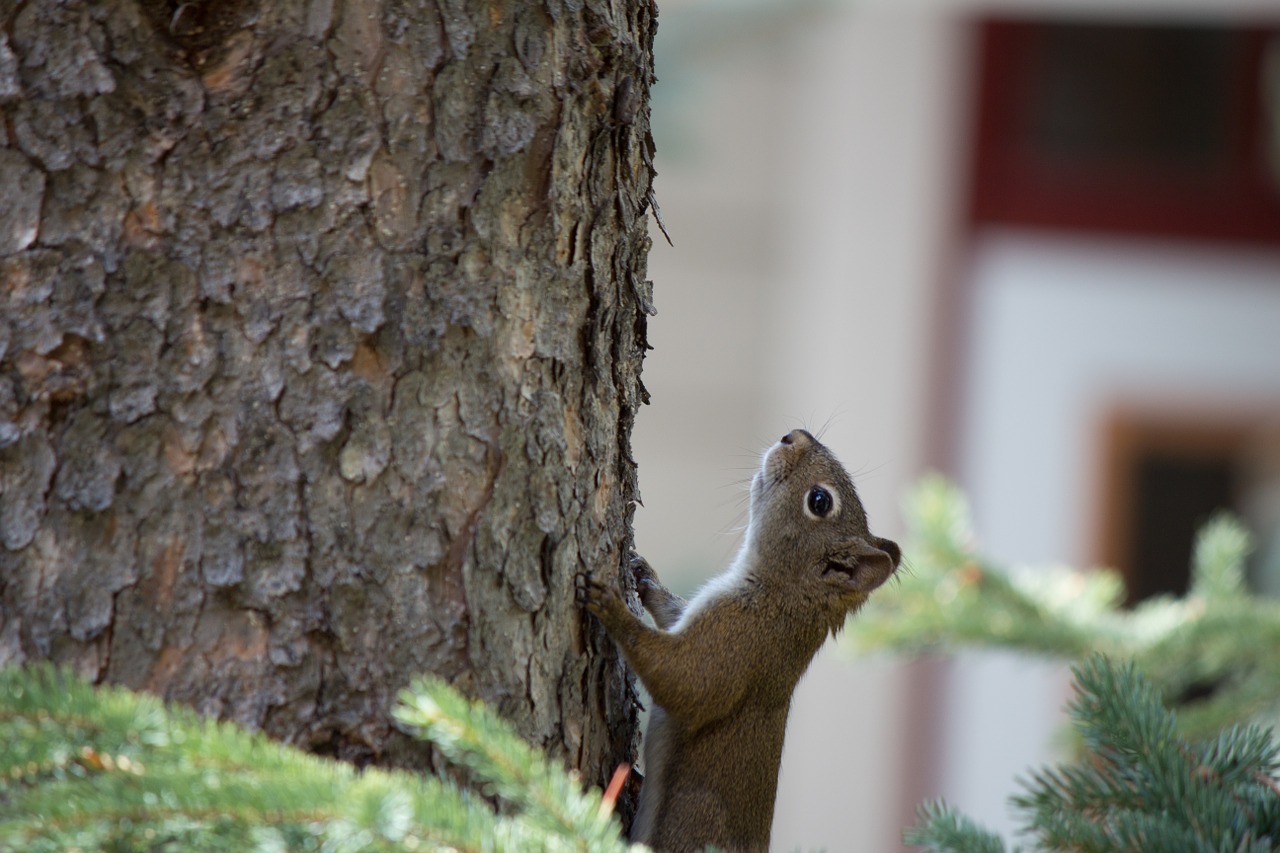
x,y
808,524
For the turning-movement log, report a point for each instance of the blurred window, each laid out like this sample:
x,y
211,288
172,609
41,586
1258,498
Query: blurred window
x,y
1135,128
1167,473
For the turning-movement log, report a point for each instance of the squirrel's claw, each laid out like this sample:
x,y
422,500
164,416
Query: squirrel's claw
x,y
640,569
602,600
589,592
581,588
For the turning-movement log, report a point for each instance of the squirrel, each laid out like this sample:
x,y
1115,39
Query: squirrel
x,y
721,668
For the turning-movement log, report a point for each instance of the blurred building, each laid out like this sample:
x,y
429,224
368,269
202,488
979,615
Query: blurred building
x,y
1034,245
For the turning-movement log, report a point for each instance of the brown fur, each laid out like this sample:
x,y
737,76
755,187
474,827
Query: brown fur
x,y
721,669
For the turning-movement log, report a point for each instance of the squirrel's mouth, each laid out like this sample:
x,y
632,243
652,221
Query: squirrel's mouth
x,y
847,570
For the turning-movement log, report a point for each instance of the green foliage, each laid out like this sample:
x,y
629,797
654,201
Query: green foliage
x,y
1141,786
469,733
105,769
1212,652
943,829
1147,778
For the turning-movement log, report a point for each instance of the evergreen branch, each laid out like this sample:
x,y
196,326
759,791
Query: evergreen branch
x,y
94,769
1217,565
472,735
1211,652
944,830
1204,778
1140,786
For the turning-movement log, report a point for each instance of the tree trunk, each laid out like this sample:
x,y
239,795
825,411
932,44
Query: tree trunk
x,y
320,345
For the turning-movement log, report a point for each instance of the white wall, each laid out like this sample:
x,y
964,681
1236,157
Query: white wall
x,y
1064,328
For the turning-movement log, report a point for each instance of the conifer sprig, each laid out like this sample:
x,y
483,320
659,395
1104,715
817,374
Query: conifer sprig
x,y
106,769
1139,786
944,830
472,735
1211,652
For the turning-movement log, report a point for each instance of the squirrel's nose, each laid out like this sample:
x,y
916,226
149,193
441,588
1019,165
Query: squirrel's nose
x,y
797,436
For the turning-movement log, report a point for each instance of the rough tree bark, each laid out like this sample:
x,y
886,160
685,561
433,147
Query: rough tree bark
x,y
320,344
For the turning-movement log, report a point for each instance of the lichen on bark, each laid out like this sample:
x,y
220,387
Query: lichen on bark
x,y
319,353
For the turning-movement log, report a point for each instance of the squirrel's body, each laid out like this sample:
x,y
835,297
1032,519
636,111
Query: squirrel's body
x,y
722,668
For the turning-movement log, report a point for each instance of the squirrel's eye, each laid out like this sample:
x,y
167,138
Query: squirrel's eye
x,y
819,502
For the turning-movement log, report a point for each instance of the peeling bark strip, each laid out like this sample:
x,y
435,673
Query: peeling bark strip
x,y
320,337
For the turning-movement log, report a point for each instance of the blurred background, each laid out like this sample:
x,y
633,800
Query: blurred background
x,y
1033,245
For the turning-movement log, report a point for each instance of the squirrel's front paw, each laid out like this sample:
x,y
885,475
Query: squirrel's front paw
x,y
600,599
657,599
642,571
